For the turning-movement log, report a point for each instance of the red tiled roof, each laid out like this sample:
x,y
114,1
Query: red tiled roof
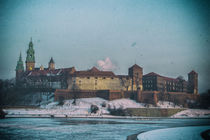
x,y
47,72
136,66
152,74
94,69
192,72
94,72
166,78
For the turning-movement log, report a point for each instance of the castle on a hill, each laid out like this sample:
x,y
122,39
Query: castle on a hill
x,y
96,80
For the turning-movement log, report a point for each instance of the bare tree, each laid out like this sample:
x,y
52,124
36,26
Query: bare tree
x,y
125,83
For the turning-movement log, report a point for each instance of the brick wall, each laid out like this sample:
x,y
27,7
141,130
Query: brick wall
x,y
151,97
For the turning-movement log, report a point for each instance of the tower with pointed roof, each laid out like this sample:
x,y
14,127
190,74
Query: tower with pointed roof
x,y
136,73
30,58
193,82
51,64
19,68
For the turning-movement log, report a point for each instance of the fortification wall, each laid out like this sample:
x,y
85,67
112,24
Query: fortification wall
x,y
150,97
152,112
180,98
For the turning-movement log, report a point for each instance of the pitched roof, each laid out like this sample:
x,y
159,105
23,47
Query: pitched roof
x,y
94,69
51,60
151,74
164,77
48,72
136,66
94,72
193,72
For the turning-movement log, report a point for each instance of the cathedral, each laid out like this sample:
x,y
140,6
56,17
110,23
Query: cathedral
x,y
96,80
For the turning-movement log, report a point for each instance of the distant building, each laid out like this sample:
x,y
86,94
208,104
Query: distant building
x,y
41,77
193,82
94,79
156,82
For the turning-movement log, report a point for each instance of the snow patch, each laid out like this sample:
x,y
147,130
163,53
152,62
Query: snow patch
x,y
193,113
166,104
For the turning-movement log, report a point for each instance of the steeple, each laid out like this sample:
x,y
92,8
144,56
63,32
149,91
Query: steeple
x,y
51,60
51,65
19,69
19,66
30,59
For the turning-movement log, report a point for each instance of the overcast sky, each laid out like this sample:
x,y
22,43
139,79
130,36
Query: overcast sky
x,y
169,37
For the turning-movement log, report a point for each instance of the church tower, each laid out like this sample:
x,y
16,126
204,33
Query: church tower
x,y
30,59
51,64
193,82
19,69
136,73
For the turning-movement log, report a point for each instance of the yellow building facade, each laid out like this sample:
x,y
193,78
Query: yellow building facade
x,y
95,79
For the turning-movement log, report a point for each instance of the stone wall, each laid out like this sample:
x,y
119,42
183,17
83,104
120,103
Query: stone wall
x,y
150,97
151,112
105,94
180,98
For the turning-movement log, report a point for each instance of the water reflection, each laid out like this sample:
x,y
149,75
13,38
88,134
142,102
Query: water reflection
x,y
85,128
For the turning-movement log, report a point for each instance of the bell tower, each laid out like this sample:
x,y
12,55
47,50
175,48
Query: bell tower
x,y
30,59
193,82
51,64
19,69
136,73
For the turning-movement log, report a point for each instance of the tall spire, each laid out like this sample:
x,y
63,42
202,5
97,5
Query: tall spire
x,y
51,65
19,66
31,43
30,53
51,60
30,59
20,57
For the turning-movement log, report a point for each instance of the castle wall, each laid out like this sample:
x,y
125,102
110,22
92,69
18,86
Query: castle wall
x,y
105,94
150,97
180,98
98,83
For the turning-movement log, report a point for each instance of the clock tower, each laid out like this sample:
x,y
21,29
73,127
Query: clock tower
x,y
30,59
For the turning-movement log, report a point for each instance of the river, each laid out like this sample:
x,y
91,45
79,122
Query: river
x,y
86,128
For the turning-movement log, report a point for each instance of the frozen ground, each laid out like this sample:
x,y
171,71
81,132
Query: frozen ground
x,y
179,133
166,104
197,113
82,108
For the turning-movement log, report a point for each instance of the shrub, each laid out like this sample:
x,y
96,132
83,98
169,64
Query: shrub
x,y
94,109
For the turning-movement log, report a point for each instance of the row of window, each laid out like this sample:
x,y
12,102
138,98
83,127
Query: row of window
x,y
148,86
148,81
80,82
102,78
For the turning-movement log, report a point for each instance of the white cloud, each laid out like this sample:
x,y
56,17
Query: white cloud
x,y
106,64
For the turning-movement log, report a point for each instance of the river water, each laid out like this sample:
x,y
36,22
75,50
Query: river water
x,y
86,128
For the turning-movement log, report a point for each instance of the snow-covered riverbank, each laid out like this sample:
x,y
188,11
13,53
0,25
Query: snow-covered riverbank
x,y
81,108
179,133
